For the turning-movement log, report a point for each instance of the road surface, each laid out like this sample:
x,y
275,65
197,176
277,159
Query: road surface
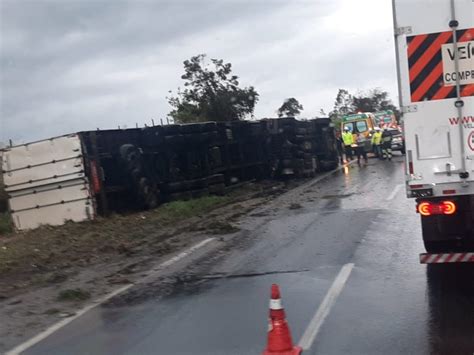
x,y
216,302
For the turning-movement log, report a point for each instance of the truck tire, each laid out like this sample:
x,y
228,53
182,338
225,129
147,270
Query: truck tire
x,y
435,247
436,241
147,194
431,235
131,156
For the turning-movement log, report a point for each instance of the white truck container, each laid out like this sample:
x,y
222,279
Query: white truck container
x,y
434,42
46,182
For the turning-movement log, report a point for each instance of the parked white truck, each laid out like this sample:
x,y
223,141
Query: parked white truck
x,y
434,42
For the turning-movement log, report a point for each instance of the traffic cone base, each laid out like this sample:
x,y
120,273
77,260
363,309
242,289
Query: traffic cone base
x,y
297,350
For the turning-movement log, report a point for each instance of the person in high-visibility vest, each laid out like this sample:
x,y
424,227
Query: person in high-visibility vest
x,y
348,141
376,140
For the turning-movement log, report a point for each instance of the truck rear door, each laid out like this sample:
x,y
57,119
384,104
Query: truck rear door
x,y
436,83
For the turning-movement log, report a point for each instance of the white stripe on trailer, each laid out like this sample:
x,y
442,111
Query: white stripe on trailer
x,y
446,258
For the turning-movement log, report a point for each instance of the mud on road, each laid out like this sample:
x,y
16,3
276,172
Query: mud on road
x,y
49,273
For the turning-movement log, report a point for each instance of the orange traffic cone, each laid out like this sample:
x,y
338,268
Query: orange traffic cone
x,y
279,336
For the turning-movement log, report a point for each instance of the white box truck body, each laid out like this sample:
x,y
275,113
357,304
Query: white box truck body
x,y
46,182
435,62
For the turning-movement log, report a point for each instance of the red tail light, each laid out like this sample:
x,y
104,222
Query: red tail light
x,y
449,207
424,209
431,208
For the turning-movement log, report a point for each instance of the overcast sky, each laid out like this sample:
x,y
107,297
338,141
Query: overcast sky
x,y
70,65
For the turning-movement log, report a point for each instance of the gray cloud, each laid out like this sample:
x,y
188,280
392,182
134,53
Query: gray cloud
x,y
77,65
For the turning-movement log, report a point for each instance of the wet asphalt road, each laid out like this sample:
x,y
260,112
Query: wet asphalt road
x,y
390,304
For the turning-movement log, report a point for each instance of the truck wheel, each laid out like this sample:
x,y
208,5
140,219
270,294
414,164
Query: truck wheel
x,y
430,233
435,247
131,156
147,194
434,240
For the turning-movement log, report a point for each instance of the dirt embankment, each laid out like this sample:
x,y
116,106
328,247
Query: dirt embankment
x,y
50,272
52,254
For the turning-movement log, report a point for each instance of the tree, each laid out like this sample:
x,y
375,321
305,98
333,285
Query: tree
x,y
211,93
343,104
290,107
373,101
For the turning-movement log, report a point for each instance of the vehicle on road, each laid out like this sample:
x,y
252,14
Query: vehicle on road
x,y
398,143
385,118
363,123
436,88
79,176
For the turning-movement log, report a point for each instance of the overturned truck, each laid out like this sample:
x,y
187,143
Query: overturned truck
x,y
79,176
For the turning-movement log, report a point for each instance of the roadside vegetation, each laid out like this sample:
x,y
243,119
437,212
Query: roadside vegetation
x,y
50,255
73,295
83,243
113,246
177,210
5,224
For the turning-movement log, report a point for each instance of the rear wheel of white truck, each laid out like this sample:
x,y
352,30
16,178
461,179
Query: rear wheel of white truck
x,y
432,238
442,236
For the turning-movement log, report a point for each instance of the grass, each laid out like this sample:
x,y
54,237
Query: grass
x,y
49,248
185,209
5,224
73,295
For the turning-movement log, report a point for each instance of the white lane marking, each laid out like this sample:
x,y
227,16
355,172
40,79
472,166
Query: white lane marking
x,y
336,288
183,254
394,192
29,343
55,327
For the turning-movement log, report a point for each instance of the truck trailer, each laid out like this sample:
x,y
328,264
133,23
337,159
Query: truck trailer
x,y
79,176
434,42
